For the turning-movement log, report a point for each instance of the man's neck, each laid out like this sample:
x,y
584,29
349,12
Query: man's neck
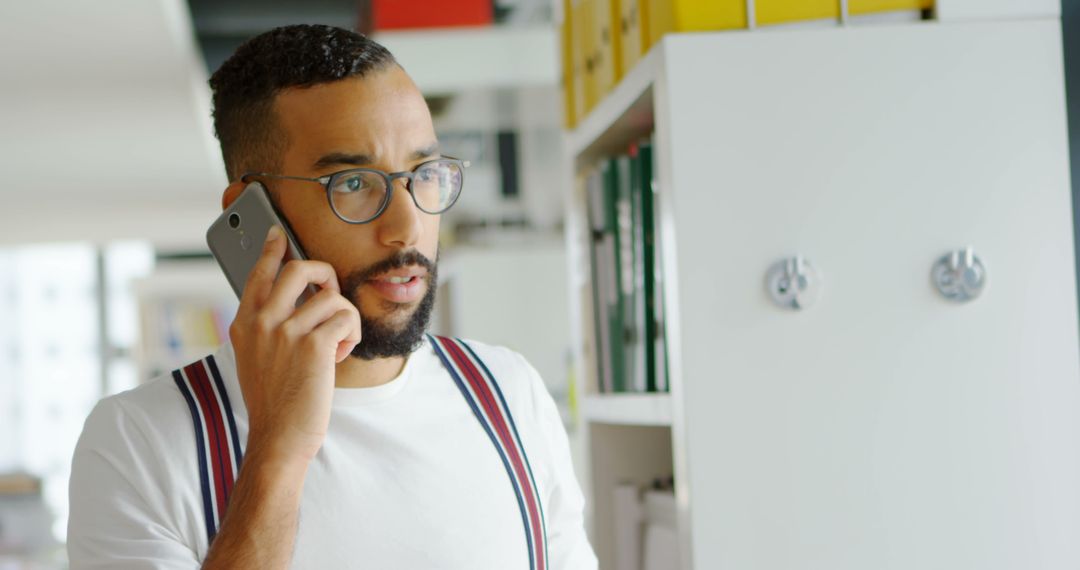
x,y
358,373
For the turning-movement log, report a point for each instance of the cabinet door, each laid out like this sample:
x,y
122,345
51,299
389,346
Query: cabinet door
x,y
883,427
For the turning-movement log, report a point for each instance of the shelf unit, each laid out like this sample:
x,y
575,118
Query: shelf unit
x,y
628,436
629,409
861,431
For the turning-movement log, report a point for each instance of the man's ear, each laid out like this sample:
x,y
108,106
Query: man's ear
x,y
232,192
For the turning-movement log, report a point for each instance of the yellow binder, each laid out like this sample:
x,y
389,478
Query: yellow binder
x,y
784,11
666,16
633,36
566,81
606,64
581,85
692,16
870,6
589,42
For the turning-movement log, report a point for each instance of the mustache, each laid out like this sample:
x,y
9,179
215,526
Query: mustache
x,y
396,261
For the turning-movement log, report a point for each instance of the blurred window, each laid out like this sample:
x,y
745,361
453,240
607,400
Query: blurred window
x,y
57,303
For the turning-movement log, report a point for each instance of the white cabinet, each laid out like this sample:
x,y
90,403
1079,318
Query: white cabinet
x,y
956,10
883,427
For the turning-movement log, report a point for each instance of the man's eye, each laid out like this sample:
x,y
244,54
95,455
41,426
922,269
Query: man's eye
x,y
352,184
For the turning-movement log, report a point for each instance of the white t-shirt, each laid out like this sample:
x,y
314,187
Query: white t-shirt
x,y
406,478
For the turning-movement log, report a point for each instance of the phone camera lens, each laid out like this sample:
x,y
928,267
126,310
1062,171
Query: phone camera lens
x,y
234,220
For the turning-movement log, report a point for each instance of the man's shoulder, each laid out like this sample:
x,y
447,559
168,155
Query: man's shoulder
x,y
136,461
501,361
514,376
494,352
155,412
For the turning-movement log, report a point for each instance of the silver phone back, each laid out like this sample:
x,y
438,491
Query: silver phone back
x,y
237,236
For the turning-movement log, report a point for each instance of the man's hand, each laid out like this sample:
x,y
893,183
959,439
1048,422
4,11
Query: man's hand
x,y
285,359
286,356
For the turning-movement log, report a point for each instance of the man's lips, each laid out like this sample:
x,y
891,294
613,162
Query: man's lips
x,y
405,272
391,287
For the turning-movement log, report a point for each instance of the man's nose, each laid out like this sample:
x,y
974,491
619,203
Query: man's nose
x,y
400,225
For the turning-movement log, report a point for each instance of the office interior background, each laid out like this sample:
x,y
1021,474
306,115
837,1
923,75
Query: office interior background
x,y
800,275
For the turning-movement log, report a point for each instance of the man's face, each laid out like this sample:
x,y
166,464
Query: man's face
x,y
380,121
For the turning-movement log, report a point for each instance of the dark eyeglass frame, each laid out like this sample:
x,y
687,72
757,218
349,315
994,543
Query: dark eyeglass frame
x,y
329,181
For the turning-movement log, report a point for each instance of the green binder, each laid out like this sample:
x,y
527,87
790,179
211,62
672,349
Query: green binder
x,y
598,240
633,306
654,267
646,275
617,206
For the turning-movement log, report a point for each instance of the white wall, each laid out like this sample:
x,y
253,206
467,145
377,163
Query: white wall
x,y
513,295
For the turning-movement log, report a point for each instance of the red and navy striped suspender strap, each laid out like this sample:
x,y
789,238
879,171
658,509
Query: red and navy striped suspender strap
x,y
216,442
482,392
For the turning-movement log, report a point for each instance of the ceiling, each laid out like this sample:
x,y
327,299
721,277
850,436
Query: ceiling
x,y
105,122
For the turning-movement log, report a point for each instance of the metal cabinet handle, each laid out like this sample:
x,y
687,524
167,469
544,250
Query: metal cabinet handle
x,y
959,275
793,283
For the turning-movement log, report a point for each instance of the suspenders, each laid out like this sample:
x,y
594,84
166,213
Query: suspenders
x,y
482,393
220,455
216,442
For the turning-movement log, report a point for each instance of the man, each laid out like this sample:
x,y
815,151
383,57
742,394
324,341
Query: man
x,y
335,432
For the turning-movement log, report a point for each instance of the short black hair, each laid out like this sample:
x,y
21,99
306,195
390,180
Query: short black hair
x,y
245,85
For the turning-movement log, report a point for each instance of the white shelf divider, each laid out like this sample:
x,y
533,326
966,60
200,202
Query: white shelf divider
x,y
629,409
472,58
623,115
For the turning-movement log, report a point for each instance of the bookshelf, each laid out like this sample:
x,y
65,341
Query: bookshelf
x,y
860,431
185,309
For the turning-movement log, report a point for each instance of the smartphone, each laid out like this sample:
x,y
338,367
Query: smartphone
x,y
237,236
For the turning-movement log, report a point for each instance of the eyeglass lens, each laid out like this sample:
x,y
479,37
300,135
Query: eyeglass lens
x,y
358,196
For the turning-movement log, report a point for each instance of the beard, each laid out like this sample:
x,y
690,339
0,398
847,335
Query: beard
x,y
380,336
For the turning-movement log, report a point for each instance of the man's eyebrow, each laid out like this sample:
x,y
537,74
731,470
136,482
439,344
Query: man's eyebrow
x,y
430,150
336,158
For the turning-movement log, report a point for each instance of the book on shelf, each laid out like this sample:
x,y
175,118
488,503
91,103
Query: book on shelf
x,y
599,258
180,324
644,520
177,329
627,231
644,377
627,519
660,548
19,483
655,330
610,277
627,303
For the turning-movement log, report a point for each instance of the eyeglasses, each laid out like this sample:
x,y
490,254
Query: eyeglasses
x,y
359,195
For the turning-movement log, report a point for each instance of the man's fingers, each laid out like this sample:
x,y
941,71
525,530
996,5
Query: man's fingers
x,y
294,278
261,280
316,310
342,328
344,349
